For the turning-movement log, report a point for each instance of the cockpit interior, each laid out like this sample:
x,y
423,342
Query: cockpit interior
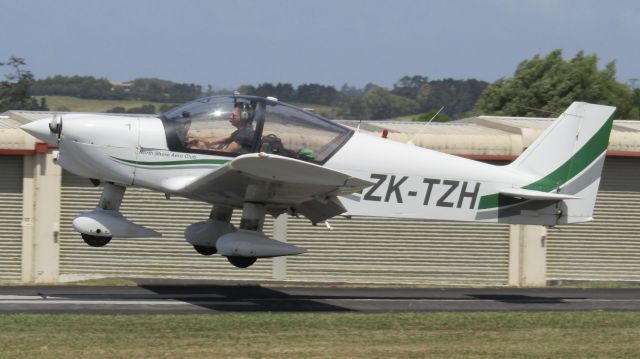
x,y
235,125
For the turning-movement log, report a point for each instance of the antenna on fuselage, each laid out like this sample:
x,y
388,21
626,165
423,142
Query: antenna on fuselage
x,y
410,142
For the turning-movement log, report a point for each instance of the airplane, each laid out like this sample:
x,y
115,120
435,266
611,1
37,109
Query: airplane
x,y
263,156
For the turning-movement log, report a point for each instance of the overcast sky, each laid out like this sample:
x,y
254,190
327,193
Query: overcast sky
x,y
229,43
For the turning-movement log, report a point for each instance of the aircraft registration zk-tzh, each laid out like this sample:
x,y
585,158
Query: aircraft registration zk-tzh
x,y
263,157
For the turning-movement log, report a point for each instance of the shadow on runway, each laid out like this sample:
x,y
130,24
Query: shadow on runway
x,y
235,298
522,299
222,297
253,298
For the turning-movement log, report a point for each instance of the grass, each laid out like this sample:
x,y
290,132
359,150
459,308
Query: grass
x,y
307,335
74,104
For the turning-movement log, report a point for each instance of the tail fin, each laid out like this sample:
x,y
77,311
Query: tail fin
x,y
568,158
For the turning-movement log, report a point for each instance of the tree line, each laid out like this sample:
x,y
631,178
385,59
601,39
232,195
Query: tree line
x,y
409,95
547,85
540,86
15,89
89,87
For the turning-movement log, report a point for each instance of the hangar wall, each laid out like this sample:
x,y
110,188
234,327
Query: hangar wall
x,y
169,256
609,247
11,218
355,250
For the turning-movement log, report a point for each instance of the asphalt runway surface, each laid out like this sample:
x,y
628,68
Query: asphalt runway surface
x,y
184,299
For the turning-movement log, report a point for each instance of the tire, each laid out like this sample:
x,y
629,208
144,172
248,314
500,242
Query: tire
x,y
242,262
95,241
205,251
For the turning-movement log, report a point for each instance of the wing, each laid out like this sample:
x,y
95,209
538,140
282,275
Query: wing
x,y
288,183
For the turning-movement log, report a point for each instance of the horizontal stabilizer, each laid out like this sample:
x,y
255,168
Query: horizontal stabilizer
x,y
535,195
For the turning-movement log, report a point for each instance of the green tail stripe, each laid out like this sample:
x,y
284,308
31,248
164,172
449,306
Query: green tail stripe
x,y
591,150
497,200
173,163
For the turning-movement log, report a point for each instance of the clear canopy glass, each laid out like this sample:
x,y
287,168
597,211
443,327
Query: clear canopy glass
x,y
213,124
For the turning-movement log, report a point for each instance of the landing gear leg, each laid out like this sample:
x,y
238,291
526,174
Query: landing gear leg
x,y
111,199
218,213
253,213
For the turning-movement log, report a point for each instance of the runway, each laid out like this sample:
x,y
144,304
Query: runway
x,y
177,299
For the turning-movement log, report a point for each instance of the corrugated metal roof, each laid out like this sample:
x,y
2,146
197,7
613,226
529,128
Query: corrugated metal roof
x,y
482,135
6,122
454,137
539,123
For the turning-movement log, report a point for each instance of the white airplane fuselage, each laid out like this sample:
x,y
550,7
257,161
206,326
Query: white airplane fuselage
x,y
410,181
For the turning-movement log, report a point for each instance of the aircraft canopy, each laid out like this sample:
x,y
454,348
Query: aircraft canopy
x,y
264,125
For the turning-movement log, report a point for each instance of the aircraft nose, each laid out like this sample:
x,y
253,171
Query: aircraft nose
x,y
40,130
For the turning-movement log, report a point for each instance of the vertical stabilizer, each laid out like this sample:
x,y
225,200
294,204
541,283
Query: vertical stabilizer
x,y
568,157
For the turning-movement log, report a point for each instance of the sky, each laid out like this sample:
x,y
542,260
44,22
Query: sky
x,y
229,43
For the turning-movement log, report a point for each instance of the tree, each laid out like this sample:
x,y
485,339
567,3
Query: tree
x,y
317,94
148,108
378,104
247,90
14,91
409,86
428,116
78,86
551,84
457,96
348,92
285,92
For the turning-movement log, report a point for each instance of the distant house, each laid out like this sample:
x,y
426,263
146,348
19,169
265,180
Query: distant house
x,y
121,85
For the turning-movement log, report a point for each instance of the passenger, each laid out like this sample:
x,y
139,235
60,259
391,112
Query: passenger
x,y
240,141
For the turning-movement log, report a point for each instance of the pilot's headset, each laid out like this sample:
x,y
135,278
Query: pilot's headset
x,y
246,111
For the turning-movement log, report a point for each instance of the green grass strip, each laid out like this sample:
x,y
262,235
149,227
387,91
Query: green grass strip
x,y
311,335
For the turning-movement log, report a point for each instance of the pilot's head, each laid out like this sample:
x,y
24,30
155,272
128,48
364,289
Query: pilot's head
x,y
242,113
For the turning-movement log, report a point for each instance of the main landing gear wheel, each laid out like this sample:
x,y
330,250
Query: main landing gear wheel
x,y
241,262
95,241
205,251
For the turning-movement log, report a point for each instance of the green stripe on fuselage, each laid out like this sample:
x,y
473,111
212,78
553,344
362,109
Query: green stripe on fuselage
x,y
173,163
591,150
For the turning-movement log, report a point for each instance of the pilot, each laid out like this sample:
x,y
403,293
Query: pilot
x,y
239,141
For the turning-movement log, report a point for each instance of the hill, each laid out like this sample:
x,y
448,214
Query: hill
x,y
74,104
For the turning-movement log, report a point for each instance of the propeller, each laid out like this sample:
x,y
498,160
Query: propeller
x,y
56,125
